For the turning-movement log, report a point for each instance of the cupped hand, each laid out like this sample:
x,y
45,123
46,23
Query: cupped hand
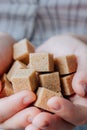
x,y
67,113
65,45
14,110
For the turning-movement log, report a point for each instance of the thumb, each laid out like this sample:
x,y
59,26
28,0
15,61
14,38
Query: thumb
x,y
75,114
79,82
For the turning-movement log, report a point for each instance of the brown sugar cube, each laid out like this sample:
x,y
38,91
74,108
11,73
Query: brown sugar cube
x,y
42,62
7,88
24,79
22,49
16,65
67,85
66,64
43,95
51,81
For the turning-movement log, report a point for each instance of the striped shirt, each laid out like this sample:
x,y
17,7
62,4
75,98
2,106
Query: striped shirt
x,y
38,20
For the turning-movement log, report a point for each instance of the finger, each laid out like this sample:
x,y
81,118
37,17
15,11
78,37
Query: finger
x,y
79,82
80,37
76,99
21,119
31,127
11,105
75,114
47,121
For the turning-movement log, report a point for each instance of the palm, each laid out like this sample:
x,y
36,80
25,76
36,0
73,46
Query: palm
x,y
61,45
65,45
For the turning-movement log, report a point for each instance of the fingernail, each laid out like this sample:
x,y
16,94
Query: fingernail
x,y
56,107
84,88
26,100
54,104
30,119
45,125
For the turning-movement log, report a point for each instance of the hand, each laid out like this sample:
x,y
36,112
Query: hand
x,y
74,112
13,111
67,114
65,45
47,121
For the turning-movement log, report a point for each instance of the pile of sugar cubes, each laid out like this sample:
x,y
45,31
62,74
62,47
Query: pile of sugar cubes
x,y
39,72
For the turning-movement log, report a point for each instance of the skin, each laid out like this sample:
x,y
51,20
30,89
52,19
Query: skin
x,y
14,107
6,42
10,117
74,110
